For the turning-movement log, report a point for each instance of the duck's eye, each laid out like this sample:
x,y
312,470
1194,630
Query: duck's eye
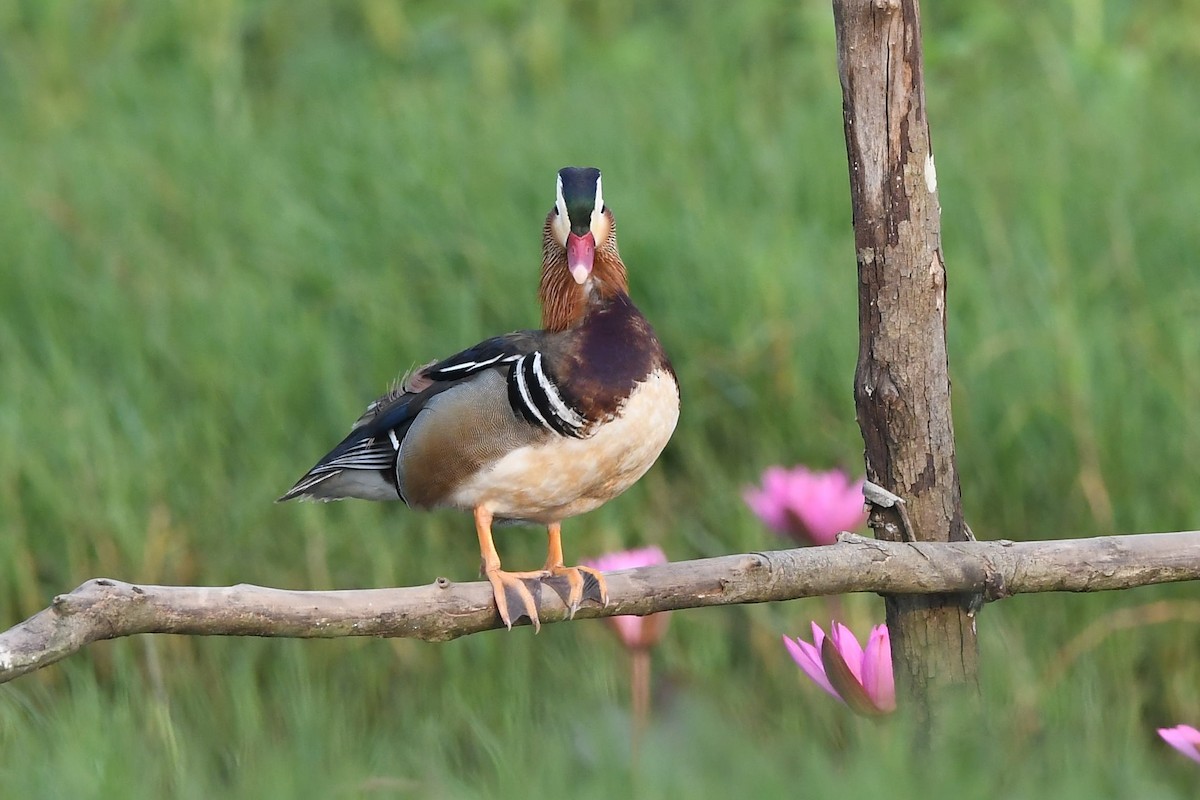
x,y
603,209
556,211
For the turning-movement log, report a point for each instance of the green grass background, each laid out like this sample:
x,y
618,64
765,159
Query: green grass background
x,y
226,226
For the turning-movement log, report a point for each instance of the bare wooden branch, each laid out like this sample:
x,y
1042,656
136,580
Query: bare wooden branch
x,y
443,610
902,384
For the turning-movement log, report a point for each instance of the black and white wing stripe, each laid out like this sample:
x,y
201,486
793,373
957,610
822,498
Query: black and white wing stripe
x,y
359,451
467,363
534,396
484,355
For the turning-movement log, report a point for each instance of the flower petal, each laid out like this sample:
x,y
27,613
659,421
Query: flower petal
x,y
809,658
818,635
628,628
822,497
877,676
628,559
845,682
767,508
848,648
1183,738
837,505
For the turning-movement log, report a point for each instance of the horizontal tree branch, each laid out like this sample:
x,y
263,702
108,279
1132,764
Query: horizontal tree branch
x,y
443,610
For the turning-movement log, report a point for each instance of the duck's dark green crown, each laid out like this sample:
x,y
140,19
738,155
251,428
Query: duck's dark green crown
x,y
579,193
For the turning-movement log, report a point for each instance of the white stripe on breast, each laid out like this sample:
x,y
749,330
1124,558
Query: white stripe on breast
x,y
560,409
523,388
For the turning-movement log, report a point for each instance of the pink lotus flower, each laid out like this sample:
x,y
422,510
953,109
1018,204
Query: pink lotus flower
x,y
862,679
809,507
1183,738
636,633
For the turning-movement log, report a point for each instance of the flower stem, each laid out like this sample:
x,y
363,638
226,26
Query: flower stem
x,y
639,689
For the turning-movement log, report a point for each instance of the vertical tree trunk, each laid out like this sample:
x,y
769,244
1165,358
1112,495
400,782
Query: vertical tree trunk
x,y
901,386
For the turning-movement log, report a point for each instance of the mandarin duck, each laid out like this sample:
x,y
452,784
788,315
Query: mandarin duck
x,y
531,427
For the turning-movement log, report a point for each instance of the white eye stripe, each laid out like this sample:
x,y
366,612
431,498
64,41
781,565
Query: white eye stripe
x,y
559,202
599,195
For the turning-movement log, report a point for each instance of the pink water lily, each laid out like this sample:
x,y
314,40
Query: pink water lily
x,y
635,632
809,507
638,634
1183,738
860,677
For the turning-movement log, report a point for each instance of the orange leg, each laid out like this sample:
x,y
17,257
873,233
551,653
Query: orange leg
x,y
581,582
513,597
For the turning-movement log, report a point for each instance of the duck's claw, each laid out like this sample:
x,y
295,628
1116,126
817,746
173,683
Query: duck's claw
x,y
517,595
576,584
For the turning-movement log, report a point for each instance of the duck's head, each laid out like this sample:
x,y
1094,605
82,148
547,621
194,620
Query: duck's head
x,y
580,221
580,262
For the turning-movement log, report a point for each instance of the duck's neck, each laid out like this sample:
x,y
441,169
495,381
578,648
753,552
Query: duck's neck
x,y
566,303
